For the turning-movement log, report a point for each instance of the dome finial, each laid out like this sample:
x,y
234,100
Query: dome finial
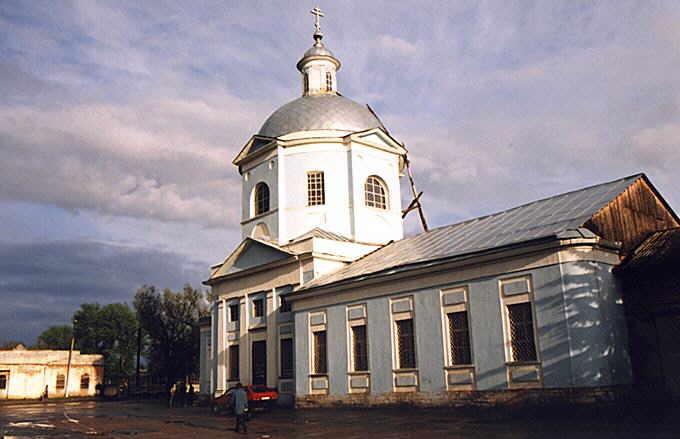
x,y
317,23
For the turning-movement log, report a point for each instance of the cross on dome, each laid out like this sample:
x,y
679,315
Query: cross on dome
x,y
317,19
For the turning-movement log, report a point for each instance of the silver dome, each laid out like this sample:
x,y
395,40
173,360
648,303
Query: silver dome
x,y
319,112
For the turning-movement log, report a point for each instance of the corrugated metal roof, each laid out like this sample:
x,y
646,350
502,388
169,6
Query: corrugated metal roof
x,y
544,218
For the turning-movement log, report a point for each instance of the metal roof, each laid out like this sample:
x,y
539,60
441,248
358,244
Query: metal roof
x,y
318,232
319,112
559,216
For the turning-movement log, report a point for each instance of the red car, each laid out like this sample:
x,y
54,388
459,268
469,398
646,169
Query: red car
x,y
258,397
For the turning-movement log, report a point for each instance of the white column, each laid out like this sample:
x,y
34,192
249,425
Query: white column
x,y
221,343
272,340
244,341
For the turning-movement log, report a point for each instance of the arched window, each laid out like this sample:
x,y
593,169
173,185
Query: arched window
x,y
261,201
85,381
61,382
316,192
375,192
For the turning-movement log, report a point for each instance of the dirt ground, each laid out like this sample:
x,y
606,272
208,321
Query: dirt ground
x,y
152,420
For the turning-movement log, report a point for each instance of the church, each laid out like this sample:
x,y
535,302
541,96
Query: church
x,y
325,299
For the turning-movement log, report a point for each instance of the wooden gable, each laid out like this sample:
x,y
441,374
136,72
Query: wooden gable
x,y
632,215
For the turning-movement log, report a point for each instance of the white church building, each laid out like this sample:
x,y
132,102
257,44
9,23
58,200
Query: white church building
x,y
326,301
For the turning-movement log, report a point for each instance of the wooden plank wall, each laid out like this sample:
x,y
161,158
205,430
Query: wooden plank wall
x,y
631,216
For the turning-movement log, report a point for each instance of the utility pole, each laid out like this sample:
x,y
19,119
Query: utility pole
x,y
139,354
68,367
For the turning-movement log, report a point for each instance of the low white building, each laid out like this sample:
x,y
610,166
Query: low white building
x,y
25,374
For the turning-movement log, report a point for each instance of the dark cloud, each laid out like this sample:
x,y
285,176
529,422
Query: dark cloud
x,y
42,284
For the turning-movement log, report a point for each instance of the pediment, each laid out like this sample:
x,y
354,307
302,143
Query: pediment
x,y
376,137
251,253
255,144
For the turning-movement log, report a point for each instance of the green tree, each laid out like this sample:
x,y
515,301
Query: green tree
x,y
111,331
55,337
171,322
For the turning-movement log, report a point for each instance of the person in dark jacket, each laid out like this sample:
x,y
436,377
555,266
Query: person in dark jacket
x,y
239,399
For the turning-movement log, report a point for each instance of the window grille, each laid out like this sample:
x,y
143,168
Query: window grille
x,y
375,193
233,313
320,364
258,308
521,332
316,194
360,348
261,198
406,344
233,362
329,81
286,358
459,338
85,382
61,382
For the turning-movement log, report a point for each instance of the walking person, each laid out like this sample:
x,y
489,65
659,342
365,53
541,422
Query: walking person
x,y
240,404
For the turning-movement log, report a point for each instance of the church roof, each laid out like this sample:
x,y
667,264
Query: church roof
x,y
560,216
319,112
318,232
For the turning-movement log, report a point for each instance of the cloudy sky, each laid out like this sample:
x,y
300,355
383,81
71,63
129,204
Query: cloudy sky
x,y
119,121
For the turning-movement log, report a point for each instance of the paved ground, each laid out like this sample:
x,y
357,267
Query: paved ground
x,y
151,420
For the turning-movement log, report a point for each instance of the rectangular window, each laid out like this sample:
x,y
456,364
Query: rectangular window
x,y
359,348
315,189
459,338
233,362
258,308
3,382
284,306
406,344
286,358
305,80
521,328
233,313
320,364
329,81
61,382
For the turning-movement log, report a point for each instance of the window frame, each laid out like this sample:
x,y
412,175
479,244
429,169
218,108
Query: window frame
x,y
313,198
329,81
234,306
234,375
398,315
85,379
318,353
283,375
60,377
376,181
261,201
263,305
454,300
508,299
357,315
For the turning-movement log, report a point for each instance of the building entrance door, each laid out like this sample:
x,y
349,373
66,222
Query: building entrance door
x,y
4,384
260,362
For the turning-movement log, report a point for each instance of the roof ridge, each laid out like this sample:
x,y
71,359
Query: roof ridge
x,y
639,174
